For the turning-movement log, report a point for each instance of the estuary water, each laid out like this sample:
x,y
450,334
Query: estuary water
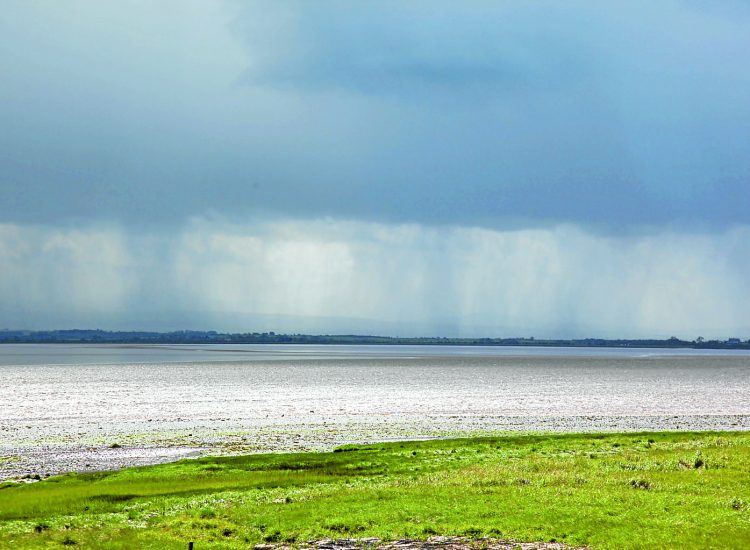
x,y
90,407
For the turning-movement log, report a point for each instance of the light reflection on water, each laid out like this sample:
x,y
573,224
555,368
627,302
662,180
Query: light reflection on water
x,y
255,383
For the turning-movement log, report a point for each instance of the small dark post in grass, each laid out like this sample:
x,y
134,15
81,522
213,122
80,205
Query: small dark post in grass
x,y
190,546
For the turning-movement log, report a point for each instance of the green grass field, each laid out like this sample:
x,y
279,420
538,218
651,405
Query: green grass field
x,y
651,490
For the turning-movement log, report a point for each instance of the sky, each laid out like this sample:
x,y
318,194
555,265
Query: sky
x,y
550,168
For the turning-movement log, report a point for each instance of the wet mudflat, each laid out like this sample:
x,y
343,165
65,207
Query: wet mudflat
x,y
86,408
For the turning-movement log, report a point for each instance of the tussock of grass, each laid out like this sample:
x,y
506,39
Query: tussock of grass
x,y
605,491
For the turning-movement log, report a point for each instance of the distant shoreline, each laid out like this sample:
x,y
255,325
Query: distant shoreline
x,y
86,336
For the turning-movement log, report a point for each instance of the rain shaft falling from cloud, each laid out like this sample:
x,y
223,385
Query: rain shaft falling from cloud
x,y
332,275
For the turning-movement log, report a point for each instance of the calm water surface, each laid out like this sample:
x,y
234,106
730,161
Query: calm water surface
x,y
61,406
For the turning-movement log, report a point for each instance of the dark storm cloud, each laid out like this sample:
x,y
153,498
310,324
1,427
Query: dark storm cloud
x,y
421,167
434,112
406,48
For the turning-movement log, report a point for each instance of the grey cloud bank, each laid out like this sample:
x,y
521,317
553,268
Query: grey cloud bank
x,y
477,113
474,168
343,276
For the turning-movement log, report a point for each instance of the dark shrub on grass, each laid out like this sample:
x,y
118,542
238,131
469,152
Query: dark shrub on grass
x,y
472,532
640,484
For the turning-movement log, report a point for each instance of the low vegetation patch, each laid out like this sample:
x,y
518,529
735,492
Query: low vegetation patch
x,y
598,490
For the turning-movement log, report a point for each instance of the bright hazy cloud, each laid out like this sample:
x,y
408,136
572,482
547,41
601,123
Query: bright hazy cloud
x,y
348,276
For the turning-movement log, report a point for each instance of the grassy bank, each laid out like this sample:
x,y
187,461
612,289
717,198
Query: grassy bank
x,y
605,491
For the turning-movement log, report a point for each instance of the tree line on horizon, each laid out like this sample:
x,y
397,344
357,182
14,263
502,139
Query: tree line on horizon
x,y
214,337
